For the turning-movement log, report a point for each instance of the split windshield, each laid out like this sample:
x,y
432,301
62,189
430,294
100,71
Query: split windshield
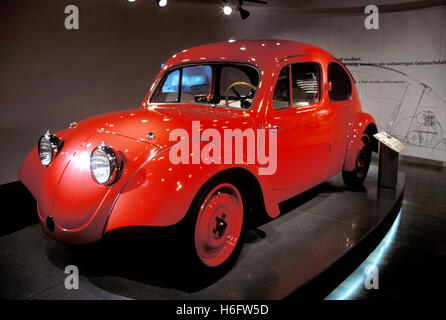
x,y
227,85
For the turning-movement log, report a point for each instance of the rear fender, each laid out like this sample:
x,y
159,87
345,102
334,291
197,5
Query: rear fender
x,y
355,142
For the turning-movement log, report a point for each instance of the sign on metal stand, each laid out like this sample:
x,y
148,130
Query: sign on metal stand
x,y
389,150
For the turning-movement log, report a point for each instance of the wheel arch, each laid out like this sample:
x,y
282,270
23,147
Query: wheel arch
x,y
363,123
245,181
371,130
158,208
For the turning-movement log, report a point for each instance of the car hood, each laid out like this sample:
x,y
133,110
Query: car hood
x,y
160,120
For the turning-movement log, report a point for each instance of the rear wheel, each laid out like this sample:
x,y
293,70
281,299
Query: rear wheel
x,y
363,157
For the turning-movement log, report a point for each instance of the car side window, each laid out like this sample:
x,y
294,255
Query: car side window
x,y
281,97
168,90
229,75
341,87
195,83
305,83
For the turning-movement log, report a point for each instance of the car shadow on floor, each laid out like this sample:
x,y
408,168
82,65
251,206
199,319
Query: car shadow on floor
x,y
152,256
18,208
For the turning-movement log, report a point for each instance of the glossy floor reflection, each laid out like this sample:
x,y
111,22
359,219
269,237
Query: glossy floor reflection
x,y
415,264
368,271
314,231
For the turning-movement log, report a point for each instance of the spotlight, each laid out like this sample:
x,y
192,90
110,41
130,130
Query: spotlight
x,y
227,10
161,3
131,0
243,13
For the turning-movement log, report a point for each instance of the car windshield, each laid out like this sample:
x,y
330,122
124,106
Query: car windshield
x,y
221,84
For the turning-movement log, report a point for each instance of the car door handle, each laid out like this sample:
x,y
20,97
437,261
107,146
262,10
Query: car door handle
x,y
274,127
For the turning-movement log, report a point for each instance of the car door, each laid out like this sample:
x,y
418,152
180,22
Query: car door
x,y
298,115
343,109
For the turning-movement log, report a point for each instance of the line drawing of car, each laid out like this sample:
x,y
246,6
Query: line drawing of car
x,y
112,172
410,109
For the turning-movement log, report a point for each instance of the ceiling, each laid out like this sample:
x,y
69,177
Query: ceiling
x,y
327,6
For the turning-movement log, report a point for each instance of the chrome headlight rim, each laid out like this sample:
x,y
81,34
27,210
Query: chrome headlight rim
x,y
54,143
113,163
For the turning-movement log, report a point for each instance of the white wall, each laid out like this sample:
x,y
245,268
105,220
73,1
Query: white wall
x,y
407,36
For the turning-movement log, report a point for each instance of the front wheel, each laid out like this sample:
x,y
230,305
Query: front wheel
x,y
363,158
219,220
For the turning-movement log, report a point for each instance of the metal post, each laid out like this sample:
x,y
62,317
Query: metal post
x,y
388,167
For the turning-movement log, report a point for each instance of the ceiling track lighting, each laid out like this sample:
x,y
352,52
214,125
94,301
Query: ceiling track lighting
x,y
244,14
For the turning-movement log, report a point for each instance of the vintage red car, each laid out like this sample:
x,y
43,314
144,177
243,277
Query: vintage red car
x,y
290,112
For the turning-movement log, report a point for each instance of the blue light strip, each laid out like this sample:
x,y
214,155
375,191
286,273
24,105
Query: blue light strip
x,y
350,286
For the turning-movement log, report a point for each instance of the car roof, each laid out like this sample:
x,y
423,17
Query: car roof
x,y
260,52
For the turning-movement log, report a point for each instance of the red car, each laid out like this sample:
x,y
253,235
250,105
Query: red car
x,y
226,129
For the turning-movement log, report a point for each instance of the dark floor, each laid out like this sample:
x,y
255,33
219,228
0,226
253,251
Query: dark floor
x,y
415,266
315,230
412,268
18,208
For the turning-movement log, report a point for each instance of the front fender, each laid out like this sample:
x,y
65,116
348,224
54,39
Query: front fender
x,y
66,191
31,172
361,121
160,193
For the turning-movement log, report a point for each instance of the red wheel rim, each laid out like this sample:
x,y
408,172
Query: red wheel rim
x,y
219,225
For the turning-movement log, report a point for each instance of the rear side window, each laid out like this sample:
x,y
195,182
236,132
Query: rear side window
x,y
305,83
281,97
341,87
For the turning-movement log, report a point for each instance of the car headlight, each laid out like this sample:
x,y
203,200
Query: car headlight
x,y
104,165
47,147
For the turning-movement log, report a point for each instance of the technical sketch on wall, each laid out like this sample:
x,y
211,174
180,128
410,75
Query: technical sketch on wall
x,y
405,107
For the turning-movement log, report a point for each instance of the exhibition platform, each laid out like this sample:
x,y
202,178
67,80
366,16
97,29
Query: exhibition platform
x,y
315,231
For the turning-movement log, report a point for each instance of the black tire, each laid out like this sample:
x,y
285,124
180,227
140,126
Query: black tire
x,y
356,177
